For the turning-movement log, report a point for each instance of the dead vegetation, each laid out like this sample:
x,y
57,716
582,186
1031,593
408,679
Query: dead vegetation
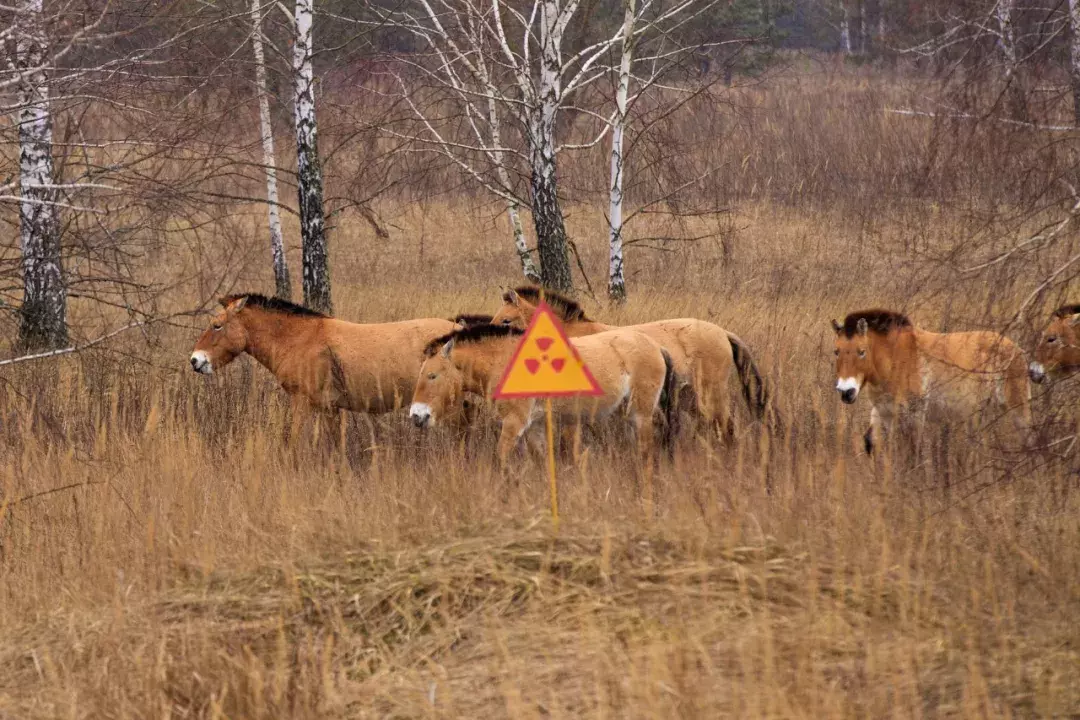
x,y
167,549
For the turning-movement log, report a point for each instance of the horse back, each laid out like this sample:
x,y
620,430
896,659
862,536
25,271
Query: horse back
x,y
623,362
692,343
375,366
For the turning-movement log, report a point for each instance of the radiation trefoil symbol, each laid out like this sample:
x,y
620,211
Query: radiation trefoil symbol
x,y
545,363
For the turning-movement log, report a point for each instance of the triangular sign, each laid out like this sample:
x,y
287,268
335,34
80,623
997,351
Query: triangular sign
x,y
545,363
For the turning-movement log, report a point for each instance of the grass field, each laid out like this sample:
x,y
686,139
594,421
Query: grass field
x,y
164,552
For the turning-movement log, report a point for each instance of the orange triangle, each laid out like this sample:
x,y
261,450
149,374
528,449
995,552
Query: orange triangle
x,y
545,363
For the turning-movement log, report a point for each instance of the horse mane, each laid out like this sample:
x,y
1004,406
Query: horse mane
x,y
473,334
563,306
272,304
1066,311
472,319
878,321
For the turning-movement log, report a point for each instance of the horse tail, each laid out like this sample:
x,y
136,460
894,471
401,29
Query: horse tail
x,y
668,402
753,385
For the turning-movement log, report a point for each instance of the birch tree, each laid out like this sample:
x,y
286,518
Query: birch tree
x,y
495,61
282,283
616,275
316,260
44,310
1016,99
1074,57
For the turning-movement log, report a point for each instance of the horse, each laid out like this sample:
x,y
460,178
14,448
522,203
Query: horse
x,y
913,374
329,363
1058,350
703,354
632,370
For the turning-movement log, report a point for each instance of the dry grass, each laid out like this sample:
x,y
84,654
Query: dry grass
x,y
165,551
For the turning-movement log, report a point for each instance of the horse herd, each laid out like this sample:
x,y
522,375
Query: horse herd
x,y
648,373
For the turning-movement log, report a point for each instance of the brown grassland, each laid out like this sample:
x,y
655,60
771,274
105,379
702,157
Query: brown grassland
x,y
167,551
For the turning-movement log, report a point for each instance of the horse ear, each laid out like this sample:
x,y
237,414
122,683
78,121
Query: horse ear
x,y
239,304
862,326
1075,319
511,298
837,327
448,348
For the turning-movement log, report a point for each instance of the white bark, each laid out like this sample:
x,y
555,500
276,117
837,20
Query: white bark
x,y
1014,91
845,28
316,264
616,274
1074,56
547,214
283,285
44,311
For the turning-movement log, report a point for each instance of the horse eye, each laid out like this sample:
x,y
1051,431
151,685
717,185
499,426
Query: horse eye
x,y
216,327
506,321
862,353
1051,339
836,352
432,376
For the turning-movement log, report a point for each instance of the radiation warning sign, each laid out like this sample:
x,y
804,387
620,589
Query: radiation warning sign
x,y
545,364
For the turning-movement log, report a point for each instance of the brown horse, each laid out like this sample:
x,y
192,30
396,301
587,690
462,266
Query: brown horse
x,y
1058,350
911,374
331,363
634,373
703,354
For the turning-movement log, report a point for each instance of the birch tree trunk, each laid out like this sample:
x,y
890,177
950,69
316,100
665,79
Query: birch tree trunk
x,y
44,310
282,283
858,29
1015,97
528,267
547,214
1074,57
316,261
845,27
616,275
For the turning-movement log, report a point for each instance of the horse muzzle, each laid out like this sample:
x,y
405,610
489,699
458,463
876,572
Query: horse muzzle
x,y
200,363
1036,372
420,413
848,389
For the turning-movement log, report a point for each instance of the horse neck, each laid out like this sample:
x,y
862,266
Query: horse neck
x,y
895,358
273,336
482,363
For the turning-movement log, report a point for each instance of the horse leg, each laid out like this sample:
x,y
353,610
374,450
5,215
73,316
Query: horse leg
x,y
514,424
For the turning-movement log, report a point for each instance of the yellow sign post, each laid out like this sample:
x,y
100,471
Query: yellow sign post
x,y
546,365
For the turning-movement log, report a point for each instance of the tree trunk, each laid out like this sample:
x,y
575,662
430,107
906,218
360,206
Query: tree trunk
x,y
528,267
283,286
548,218
1015,96
845,27
859,29
1074,57
547,214
316,261
44,310
616,275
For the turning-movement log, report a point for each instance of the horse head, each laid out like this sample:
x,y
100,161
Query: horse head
x,y
223,340
1059,345
440,391
852,360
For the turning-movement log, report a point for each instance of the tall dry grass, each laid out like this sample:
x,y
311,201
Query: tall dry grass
x,y
167,550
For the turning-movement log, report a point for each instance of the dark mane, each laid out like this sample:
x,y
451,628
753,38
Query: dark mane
x,y
1067,310
878,321
563,306
471,319
474,334
272,304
